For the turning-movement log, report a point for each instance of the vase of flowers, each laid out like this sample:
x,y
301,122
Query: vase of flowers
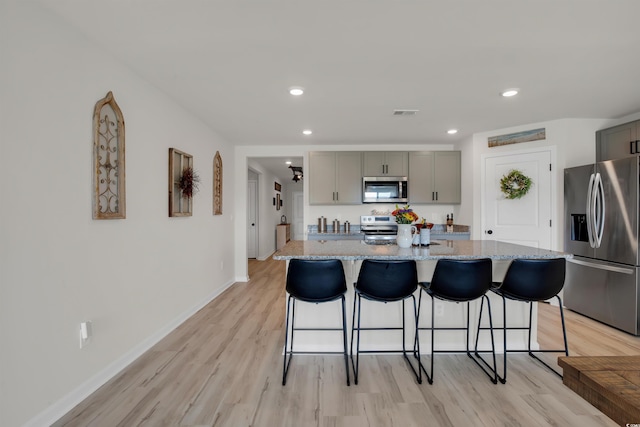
x,y
405,216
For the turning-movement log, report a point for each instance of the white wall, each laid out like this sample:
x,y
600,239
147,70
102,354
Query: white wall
x,y
135,278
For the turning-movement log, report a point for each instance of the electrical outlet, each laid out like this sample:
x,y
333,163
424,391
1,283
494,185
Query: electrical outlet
x,y
439,310
86,332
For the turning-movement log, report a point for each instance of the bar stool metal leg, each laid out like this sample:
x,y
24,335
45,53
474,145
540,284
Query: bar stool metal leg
x,y
314,282
532,353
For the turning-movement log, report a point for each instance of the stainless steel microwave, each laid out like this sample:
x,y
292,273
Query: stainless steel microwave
x,y
384,189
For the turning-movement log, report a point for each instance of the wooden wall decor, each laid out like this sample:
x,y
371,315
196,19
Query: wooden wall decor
x,y
179,203
109,201
517,138
217,184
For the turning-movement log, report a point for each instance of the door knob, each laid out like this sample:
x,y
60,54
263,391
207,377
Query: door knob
x,y
253,224
489,231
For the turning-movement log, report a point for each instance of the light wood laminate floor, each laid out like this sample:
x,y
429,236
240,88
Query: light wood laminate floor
x,y
223,367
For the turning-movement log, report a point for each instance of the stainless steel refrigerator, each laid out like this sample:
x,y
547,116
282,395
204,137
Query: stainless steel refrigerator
x,y
601,230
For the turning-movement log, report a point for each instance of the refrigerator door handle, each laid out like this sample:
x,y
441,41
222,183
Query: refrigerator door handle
x,y
590,212
599,204
601,266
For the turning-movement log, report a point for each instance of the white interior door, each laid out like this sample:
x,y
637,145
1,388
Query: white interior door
x,y
252,216
297,222
524,221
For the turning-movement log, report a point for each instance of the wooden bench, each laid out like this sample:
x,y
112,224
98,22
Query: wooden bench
x,y
610,383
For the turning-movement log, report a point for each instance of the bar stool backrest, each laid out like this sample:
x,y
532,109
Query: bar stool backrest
x,y
387,280
461,280
534,279
316,280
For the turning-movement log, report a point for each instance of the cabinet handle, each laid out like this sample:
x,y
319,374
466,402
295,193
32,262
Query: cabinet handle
x,y
337,196
436,196
433,195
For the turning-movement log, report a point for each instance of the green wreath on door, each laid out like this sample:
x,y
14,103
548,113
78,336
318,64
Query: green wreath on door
x,y
515,184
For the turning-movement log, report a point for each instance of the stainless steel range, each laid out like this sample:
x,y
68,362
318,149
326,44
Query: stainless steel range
x,y
379,229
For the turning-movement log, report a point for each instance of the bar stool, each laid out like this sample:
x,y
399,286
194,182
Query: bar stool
x,y
531,280
314,281
384,281
459,281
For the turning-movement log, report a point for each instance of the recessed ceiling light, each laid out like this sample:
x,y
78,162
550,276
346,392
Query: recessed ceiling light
x,y
509,92
296,90
452,131
287,163
307,132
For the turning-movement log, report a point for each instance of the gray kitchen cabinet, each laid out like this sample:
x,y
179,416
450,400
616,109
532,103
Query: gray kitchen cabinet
x,y
385,163
335,178
618,141
434,177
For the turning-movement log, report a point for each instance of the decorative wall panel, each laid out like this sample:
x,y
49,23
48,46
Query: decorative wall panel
x,y
109,200
217,184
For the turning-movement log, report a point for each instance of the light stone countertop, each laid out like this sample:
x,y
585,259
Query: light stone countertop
x,y
350,250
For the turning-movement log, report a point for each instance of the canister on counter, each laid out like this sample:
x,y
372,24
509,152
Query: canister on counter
x,y
336,226
322,225
347,227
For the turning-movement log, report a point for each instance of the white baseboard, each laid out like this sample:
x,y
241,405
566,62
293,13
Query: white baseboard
x,y
265,257
72,399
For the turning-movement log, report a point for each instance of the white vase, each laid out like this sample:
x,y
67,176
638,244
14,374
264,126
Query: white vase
x,y
404,237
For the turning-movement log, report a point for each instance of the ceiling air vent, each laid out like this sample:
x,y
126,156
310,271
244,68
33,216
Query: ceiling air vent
x,y
405,112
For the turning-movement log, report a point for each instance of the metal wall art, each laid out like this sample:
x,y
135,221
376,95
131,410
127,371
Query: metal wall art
x,y
109,200
183,183
217,184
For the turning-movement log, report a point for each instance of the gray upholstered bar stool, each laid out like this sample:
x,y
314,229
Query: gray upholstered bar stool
x,y
384,282
313,281
459,281
529,281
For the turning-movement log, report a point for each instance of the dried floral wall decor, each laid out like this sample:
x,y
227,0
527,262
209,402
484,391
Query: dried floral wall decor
x,y
109,201
183,183
217,184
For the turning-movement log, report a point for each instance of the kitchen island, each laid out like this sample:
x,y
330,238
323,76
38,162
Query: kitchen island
x,y
351,250
351,253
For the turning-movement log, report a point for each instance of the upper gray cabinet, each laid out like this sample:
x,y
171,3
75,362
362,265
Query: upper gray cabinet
x,y
618,141
335,178
385,163
434,177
